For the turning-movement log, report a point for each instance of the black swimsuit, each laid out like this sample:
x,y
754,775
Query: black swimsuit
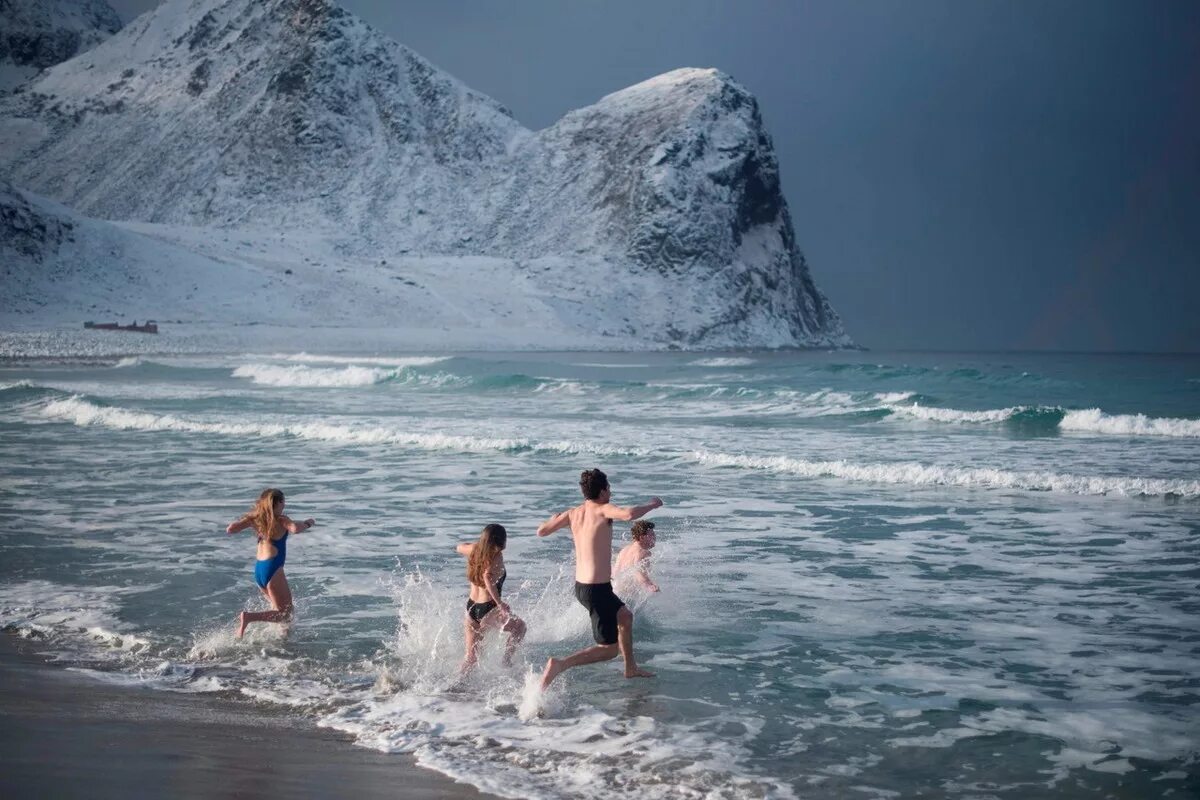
x,y
477,611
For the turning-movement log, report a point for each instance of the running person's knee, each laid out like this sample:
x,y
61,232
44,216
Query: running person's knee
x,y
624,617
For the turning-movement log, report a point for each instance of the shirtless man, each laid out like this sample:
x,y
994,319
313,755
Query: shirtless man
x,y
631,561
591,528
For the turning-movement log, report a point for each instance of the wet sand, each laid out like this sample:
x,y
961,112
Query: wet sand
x,y
65,735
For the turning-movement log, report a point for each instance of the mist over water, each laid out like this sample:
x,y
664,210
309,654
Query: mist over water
x,y
882,574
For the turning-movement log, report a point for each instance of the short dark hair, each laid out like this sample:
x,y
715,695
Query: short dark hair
x,y
592,482
643,527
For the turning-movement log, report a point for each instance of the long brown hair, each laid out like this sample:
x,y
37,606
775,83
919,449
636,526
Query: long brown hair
x,y
263,516
491,541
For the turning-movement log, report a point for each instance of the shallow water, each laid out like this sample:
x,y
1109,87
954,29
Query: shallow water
x,y
883,574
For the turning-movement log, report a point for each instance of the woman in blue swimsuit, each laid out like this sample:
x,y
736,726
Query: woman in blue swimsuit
x,y
273,527
485,609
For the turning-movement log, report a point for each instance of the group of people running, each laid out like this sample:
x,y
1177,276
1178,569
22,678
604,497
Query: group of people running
x,y
591,528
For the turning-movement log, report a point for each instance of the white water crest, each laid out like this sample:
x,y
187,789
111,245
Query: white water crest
x,y
315,377
914,474
82,412
730,361
953,415
1093,420
386,361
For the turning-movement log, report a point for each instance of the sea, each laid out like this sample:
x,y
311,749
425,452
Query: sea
x,y
882,575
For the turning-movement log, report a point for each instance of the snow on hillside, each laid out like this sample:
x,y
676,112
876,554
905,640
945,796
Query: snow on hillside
x,y
287,134
36,34
220,289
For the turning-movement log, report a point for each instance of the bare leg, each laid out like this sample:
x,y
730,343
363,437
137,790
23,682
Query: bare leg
x,y
625,643
280,596
474,637
589,655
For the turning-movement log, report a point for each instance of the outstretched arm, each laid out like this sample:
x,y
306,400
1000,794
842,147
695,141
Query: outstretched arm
x,y
238,525
464,549
297,527
557,522
631,513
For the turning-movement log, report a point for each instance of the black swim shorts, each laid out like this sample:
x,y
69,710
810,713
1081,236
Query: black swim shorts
x,y
602,604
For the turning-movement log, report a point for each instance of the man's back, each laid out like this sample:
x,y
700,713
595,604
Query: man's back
x,y
591,528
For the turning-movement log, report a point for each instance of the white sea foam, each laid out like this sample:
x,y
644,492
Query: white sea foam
x,y
386,361
73,616
954,415
603,365
890,398
1090,420
23,384
83,413
486,729
315,377
1096,421
733,361
914,474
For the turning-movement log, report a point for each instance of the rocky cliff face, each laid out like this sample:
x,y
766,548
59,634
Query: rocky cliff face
x,y
36,34
294,115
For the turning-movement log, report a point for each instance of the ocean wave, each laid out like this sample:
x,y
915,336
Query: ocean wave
x,y
85,616
914,474
22,384
299,376
386,361
1096,421
1090,420
735,361
954,415
81,412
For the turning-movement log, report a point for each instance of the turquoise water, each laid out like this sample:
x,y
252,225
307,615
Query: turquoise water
x,y
945,575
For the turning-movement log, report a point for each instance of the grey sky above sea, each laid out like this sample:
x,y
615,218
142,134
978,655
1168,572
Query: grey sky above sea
x,y
983,175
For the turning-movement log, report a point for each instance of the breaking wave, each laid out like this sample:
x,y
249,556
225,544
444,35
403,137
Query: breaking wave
x,y
299,376
914,474
81,412
1090,420
735,361
386,361
1096,421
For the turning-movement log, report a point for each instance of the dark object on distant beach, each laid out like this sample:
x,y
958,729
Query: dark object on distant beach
x,y
150,327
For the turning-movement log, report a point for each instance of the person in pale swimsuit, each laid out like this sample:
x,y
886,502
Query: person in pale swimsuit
x,y
632,568
273,527
486,574
591,529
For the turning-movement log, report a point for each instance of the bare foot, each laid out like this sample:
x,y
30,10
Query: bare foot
x,y
241,628
638,672
553,667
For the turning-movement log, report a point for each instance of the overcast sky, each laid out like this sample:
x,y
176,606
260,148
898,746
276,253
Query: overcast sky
x,y
961,175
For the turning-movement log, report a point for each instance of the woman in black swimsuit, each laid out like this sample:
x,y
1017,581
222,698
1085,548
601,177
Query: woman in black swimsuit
x,y
485,609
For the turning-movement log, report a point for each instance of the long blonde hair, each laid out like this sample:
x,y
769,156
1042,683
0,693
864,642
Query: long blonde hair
x,y
263,516
491,541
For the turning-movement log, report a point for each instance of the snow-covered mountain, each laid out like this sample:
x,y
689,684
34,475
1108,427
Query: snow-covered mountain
x,y
262,116
36,34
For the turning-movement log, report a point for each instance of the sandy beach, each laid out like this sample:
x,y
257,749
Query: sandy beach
x,y
64,734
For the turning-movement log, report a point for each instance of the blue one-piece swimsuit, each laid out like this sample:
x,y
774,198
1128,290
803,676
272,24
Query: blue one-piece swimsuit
x,y
265,569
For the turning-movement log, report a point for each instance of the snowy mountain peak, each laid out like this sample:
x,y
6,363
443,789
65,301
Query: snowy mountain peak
x,y
294,115
36,34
